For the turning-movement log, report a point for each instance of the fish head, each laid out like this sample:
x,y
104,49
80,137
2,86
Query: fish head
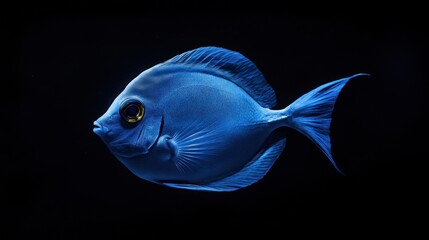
x,y
132,124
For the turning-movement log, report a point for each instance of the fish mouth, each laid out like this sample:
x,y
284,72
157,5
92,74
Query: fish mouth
x,y
99,129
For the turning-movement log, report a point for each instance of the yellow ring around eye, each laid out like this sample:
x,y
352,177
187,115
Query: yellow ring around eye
x,y
132,119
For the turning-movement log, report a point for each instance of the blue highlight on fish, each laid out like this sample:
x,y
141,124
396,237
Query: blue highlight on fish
x,y
203,120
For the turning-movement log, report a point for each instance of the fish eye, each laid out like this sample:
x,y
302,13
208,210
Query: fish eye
x,y
132,111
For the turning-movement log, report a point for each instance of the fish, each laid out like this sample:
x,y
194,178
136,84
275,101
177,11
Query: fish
x,y
205,120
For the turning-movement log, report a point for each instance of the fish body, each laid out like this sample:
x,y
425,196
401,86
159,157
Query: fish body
x,y
203,121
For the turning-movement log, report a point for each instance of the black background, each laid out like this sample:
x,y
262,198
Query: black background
x,y
65,65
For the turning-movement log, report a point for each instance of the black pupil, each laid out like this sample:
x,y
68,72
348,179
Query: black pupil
x,y
132,111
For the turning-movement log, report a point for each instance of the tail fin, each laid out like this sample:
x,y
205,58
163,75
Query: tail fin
x,y
311,114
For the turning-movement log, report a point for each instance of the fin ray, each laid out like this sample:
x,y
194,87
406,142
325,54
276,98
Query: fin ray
x,y
254,171
311,114
196,144
234,67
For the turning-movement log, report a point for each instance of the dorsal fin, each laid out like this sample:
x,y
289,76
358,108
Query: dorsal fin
x,y
234,66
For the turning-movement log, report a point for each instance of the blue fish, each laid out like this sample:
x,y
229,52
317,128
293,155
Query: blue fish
x,y
203,121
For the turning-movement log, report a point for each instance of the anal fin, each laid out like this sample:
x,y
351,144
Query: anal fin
x,y
254,171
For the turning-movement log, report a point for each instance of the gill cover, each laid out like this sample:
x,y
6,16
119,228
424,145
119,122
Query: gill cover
x,y
151,129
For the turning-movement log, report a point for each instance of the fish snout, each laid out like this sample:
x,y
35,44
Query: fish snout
x,y
99,129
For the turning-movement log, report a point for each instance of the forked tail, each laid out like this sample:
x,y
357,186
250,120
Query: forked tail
x,y
311,114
